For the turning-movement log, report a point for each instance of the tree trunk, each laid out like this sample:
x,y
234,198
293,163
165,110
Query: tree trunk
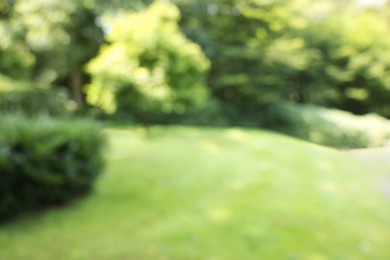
x,y
76,87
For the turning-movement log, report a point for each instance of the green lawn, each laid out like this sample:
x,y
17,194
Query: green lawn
x,y
208,193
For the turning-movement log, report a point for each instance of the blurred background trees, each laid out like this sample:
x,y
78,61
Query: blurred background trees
x,y
328,53
147,66
301,51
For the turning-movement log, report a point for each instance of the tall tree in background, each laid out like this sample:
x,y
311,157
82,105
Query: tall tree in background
x,y
224,33
250,43
329,53
351,63
61,36
64,36
147,66
16,60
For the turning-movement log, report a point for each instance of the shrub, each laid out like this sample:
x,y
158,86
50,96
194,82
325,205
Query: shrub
x,y
329,127
35,101
45,161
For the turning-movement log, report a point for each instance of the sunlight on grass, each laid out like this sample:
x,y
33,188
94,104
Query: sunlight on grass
x,y
209,193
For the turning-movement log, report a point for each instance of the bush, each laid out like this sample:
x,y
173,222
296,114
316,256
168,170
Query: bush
x,y
46,162
329,127
35,101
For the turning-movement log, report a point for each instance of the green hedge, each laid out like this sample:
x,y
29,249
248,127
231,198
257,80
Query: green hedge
x,y
45,161
329,127
35,101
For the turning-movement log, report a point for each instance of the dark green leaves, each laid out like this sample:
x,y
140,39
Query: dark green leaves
x,y
44,161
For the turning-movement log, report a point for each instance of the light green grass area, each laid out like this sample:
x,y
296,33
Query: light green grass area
x,y
203,193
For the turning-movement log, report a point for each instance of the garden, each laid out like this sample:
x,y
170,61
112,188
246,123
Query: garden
x,y
194,130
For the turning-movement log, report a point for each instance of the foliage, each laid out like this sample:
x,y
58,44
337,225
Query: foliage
x,y
32,102
46,162
225,36
10,84
148,65
20,96
350,63
328,53
253,47
16,60
329,127
53,40
323,52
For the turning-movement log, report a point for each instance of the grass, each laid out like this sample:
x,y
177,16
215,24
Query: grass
x,y
204,193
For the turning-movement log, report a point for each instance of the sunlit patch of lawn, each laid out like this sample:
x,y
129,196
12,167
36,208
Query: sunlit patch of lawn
x,y
205,193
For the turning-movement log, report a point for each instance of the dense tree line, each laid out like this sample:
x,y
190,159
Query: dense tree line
x,y
254,52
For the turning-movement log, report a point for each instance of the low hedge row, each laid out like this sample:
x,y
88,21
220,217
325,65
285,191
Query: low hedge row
x,y
35,101
329,127
46,161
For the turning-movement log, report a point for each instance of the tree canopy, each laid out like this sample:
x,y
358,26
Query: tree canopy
x,y
326,52
147,65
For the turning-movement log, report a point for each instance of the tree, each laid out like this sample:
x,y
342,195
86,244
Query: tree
x,y
62,37
147,66
351,62
16,60
252,46
331,53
